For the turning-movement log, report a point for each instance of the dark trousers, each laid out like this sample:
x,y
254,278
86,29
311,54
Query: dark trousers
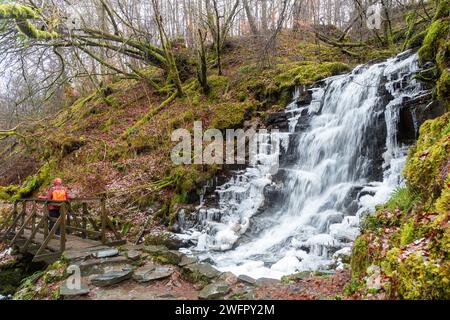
x,y
53,215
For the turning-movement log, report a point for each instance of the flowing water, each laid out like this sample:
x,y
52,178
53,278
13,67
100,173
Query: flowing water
x,y
339,160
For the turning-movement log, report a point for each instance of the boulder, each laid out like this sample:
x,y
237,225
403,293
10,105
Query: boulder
x,y
133,255
112,278
228,278
98,266
267,281
200,272
64,291
214,291
185,260
170,256
155,250
147,274
112,252
246,279
78,255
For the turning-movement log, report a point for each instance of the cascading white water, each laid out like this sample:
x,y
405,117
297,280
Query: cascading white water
x,y
313,220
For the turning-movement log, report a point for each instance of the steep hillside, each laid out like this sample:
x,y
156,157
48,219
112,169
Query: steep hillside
x,y
117,141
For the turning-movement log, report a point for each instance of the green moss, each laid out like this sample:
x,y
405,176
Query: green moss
x,y
231,115
16,11
407,233
29,30
443,55
31,184
360,257
417,39
427,158
242,96
443,87
442,9
160,239
418,277
306,73
436,34
21,14
10,278
219,86
443,203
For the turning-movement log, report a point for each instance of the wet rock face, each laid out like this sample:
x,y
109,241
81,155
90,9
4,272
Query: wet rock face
x,y
413,113
277,119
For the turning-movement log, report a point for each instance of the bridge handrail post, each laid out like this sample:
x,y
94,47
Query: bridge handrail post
x,y
33,213
15,213
46,217
64,212
103,220
23,213
84,213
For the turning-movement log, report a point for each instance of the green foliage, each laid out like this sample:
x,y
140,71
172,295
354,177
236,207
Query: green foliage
x,y
371,223
27,290
360,257
416,269
353,286
402,198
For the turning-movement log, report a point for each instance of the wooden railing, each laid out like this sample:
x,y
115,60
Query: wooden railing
x,y
29,220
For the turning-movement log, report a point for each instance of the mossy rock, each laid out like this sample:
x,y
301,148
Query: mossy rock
x,y
443,88
200,273
306,73
10,278
436,35
231,115
426,160
360,257
417,277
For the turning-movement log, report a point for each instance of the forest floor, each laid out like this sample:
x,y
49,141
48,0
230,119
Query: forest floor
x,y
177,282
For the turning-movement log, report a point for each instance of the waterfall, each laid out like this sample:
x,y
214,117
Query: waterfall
x,y
344,159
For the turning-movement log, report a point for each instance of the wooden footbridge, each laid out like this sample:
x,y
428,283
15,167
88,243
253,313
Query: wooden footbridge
x,y
82,224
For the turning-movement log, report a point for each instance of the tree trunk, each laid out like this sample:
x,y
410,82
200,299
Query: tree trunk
x,y
250,19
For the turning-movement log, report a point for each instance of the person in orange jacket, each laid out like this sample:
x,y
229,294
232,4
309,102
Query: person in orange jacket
x,y
57,192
